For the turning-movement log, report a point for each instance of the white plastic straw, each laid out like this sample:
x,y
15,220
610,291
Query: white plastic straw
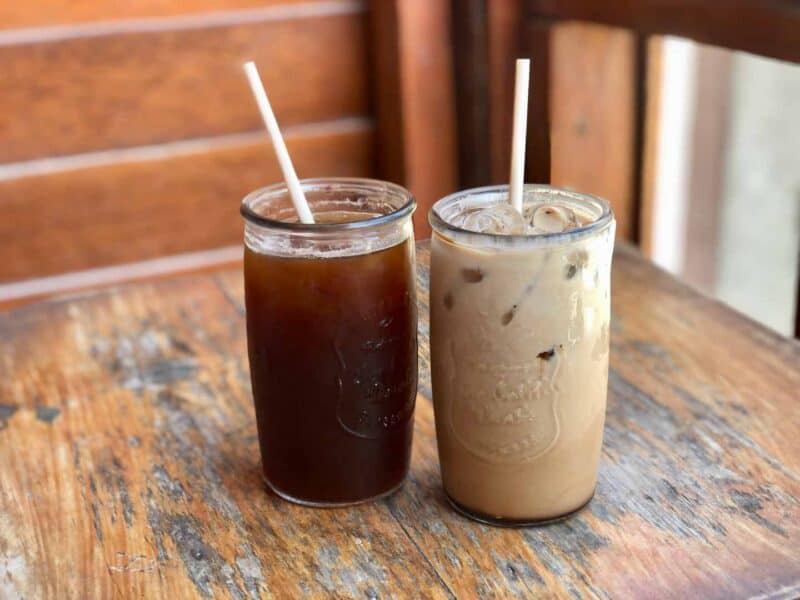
x,y
517,177
289,175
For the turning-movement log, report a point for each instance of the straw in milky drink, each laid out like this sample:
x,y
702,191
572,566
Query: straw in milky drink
x,y
516,180
289,175
508,218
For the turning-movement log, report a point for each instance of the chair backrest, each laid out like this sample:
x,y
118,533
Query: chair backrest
x,y
128,133
591,121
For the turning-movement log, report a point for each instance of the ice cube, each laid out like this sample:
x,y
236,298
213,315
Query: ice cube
x,y
500,219
551,218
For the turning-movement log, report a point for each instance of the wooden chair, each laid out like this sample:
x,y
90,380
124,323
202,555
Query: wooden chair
x,y
591,122
128,135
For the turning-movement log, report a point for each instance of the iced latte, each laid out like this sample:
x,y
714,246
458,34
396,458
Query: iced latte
x,y
519,349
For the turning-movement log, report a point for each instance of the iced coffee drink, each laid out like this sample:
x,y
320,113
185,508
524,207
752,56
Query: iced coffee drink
x,y
332,338
519,349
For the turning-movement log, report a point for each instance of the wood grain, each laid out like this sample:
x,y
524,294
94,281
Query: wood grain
x,y
696,460
767,28
582,122
387,88
471,61
429,121
593,113
98,92
168,203
536,45
148,485
413,99
140,464
505,24
43,13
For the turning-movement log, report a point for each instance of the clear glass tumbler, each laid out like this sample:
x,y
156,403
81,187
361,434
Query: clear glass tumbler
x,y
519,356
332,338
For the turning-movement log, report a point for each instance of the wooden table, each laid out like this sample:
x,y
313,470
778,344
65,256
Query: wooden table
x,y
129,463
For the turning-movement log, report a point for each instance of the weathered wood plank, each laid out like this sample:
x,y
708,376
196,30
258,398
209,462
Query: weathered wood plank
x,y
141,466
93,93
140,463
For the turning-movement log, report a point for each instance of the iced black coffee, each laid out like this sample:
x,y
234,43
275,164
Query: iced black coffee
x,y
332,338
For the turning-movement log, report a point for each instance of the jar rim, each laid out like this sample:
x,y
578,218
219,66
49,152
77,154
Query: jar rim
x,y
441,226
355,184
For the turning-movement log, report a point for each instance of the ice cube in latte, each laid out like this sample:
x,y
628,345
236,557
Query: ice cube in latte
x,y
499,219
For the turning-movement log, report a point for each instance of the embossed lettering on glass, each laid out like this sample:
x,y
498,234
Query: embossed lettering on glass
x,y
332,338
519,351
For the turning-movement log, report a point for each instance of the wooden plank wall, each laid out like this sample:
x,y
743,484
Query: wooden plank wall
x,y
127,131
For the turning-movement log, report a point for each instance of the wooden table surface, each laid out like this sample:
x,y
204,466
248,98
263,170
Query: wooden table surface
x,y
129,463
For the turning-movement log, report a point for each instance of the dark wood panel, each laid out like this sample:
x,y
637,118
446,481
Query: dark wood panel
x,y
537,41
94,93
593,115
387,89
471,57
99,216
43,13
766,27
505,45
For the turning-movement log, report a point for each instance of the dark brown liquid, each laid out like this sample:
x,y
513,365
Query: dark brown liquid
x,y
333,362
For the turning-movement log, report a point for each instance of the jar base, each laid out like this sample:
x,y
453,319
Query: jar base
x,y
314,504
500,522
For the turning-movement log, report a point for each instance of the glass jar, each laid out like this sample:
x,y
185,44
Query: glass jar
x,y
332,338
519,356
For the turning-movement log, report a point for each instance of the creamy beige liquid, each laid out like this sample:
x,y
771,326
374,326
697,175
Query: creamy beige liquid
x,y
519,352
